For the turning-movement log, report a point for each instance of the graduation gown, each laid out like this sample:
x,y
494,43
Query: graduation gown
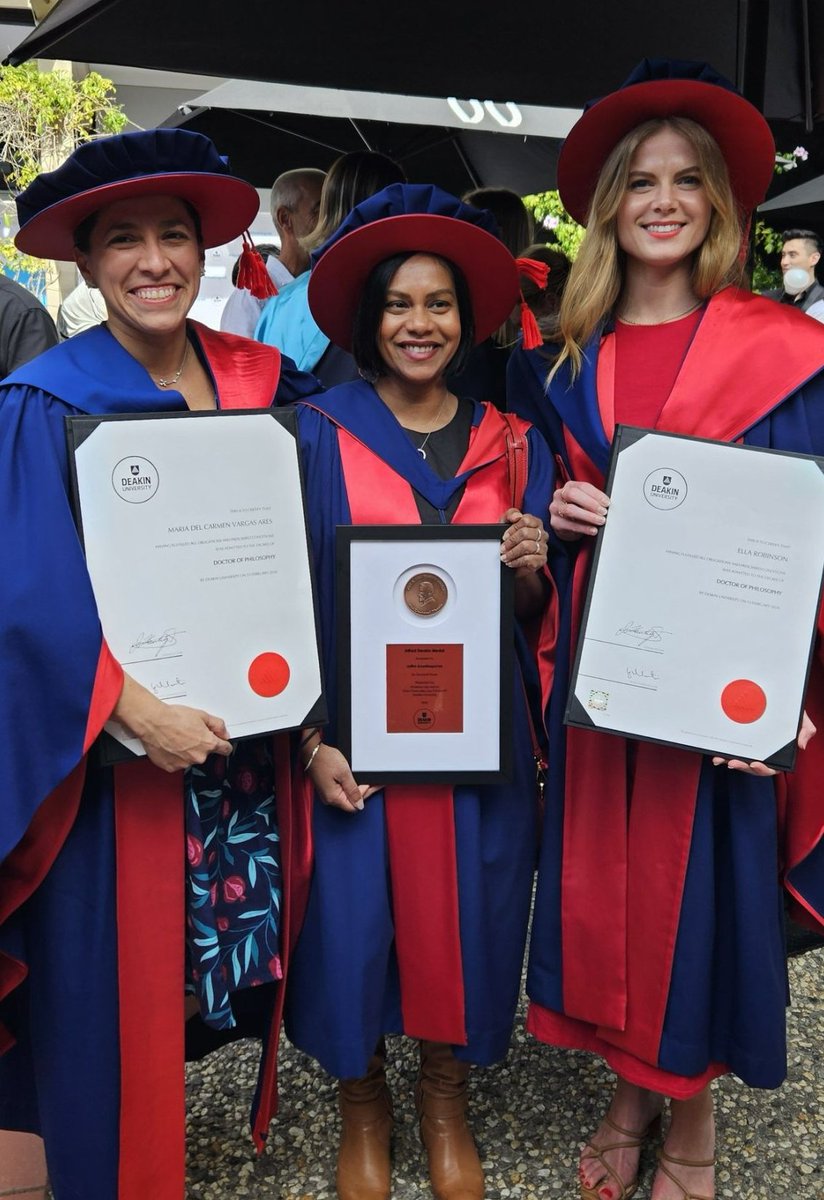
x,y
91,861
418,905
658,931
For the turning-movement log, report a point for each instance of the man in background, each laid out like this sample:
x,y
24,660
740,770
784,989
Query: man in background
x,y
800,252
26,329
295,203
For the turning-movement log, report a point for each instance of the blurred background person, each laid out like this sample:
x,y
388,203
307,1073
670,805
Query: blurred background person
x,y
26,329
82,308
484,375
800,254
294,204
286,321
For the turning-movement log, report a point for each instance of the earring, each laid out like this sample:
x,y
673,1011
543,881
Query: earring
x,y
202,272
368,376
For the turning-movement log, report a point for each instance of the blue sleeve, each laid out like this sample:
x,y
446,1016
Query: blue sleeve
x,y
540,478
797,424
327,506
50,635
294,384
526,395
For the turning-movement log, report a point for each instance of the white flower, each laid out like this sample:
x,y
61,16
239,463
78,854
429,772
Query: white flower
x,y
801,153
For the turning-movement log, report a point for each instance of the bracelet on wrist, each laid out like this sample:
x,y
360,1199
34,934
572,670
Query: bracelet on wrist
x,y
304,741
311,757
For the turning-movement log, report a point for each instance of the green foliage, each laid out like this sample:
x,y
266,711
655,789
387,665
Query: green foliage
x,y
550,215
44,115
767,241
766,244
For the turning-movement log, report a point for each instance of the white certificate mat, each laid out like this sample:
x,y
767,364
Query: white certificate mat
x,y
425,658
195,539
703,597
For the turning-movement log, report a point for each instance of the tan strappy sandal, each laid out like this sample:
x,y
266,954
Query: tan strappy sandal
x,y
635,1141
682,1162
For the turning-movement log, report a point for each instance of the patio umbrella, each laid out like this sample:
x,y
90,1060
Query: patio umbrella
x,y
558,54
269,127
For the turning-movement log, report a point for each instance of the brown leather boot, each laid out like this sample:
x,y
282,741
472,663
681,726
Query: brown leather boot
x,y
366,1125
455,1170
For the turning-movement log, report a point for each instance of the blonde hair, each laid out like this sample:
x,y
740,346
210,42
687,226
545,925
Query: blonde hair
x,y
596,278
352,179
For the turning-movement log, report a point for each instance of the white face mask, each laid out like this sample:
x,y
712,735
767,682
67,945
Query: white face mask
x,y
796,280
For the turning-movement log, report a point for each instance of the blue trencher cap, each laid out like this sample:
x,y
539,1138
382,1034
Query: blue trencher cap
x,y
417,219
152,162
669,88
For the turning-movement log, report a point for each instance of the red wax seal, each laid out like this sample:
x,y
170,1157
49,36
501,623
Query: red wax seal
x,y
743,701
268,674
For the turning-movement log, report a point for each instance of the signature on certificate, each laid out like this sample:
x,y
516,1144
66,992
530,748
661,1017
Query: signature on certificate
x,y
634,673
156,643
642,635
166,685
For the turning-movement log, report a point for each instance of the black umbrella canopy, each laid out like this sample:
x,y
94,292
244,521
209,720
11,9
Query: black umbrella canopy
x,y
557,54
261,145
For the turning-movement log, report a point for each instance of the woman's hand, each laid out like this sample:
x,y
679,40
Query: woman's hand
x,y
577,509
524,549
173,735
805,735
524,544
333,780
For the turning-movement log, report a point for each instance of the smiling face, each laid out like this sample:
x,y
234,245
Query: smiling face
x,y
665,212
420,329
145,258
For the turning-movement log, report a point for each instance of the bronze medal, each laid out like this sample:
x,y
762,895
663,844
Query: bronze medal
x,y
425,594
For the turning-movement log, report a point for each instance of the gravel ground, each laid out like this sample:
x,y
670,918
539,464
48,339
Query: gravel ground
x,y
529,1115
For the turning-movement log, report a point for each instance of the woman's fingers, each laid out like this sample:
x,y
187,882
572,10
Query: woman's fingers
x,y
578,509
525,542
737,764
805,735
333,780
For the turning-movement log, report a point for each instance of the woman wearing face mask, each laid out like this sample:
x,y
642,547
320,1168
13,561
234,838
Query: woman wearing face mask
x,y
657,938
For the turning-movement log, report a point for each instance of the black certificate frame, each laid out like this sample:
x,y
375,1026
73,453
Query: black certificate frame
x,y
347,536
575,715
79,428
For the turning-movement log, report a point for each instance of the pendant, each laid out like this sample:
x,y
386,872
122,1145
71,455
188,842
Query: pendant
x,y
422,452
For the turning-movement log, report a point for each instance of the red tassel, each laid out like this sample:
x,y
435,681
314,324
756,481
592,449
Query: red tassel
x,y
529,328
537,271
252,274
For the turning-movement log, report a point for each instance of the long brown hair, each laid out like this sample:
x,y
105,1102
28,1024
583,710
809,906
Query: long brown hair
x,y
596,278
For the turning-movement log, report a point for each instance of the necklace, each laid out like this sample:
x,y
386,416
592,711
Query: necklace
x,y
166,383
421,449
666,320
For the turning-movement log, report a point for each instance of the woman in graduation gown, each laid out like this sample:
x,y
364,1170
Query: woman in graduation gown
x,y
98,866
418,906
657,939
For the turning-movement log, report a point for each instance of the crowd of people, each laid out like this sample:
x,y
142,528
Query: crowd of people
x,y
439,377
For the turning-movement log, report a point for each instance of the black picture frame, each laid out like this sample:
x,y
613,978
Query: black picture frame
x,y
347,536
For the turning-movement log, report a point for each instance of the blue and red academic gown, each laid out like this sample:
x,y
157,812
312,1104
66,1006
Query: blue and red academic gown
x,y
418,905
657,936
91,864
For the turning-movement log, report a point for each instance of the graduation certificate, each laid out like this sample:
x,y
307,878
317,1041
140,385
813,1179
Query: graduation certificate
x,y
701,609
195,538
